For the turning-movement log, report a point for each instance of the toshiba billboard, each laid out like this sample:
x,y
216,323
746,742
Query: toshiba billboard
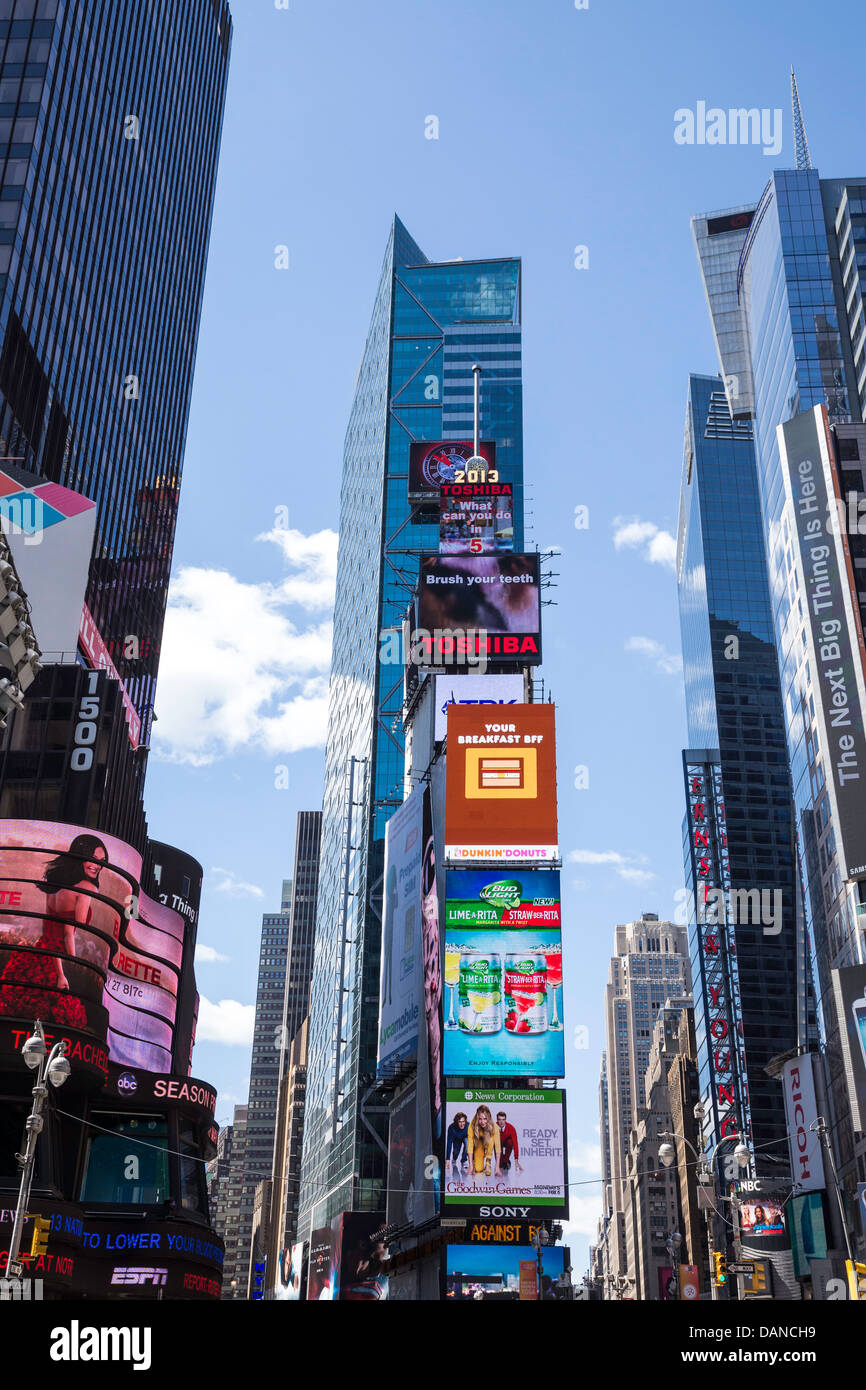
x,y
501,785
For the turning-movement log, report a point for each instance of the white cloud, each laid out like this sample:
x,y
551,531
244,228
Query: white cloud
x,y
585,1206
235,887
206,955
632,875
314,560
659,547
584,1156
227,1022
236,671
668,663
627,866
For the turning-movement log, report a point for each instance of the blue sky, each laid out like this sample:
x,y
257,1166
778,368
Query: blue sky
x,y
556,130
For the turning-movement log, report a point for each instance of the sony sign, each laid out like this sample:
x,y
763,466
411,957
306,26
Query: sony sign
x,y
801,1112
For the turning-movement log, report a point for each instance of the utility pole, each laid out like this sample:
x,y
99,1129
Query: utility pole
x,y
54,1069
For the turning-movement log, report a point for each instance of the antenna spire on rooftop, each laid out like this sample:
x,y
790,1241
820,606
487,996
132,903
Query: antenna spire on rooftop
x,y
804,159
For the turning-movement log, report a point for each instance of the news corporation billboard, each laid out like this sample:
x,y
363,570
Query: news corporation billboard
x,y
505,1154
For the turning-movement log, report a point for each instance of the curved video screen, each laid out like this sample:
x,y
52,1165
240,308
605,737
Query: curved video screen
x,y
81,946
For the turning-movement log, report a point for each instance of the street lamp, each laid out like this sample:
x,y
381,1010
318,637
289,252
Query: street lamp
x,y
706,1170
672,1245
540,1238
55,1070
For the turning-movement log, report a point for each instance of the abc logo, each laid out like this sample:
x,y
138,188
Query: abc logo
x,y
127,1083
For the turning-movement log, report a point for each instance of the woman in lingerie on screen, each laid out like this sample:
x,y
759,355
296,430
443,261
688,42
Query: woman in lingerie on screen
x,y
34,984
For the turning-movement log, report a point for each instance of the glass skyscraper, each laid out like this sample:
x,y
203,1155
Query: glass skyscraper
x,y
110,122
788,297
735,712
431,322
258,1153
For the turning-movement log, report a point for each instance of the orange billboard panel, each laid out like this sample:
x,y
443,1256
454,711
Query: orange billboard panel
x,y
501,784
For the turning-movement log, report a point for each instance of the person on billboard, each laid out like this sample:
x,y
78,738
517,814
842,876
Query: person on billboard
x,y
34,983
432,971
766,1223
509,1144
485,1143
456,1151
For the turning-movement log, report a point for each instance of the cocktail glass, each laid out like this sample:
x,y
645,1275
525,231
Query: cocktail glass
x,y
553,957
452,980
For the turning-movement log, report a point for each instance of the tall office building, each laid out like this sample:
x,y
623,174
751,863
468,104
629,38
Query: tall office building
x,y
787,295
431,322
649,965
228,1202
294,1028
735,711
652,1207
110,123
302,927
285,1185
261,1108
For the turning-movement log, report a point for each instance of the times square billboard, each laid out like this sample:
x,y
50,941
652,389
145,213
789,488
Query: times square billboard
x,y
86,951
501,785
435,465
505,1154
478,607
503,973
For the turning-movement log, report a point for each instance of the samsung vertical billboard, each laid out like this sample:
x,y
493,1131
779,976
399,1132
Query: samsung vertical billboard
x,y
831,618
849,989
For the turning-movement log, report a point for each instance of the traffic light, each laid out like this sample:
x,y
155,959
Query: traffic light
x,y
856,1279
756,1284
759,1277
721,1269
41,1231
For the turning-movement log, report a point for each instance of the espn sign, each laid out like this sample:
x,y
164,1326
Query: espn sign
x,y
138,1275
801,1112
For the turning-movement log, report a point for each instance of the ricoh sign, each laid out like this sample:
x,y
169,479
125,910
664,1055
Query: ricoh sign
x,y
801,1111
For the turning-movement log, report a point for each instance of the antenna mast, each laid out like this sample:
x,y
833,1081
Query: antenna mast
x,y
801,144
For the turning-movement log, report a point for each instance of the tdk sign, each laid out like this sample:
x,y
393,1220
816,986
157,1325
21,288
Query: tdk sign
x,y
127,1084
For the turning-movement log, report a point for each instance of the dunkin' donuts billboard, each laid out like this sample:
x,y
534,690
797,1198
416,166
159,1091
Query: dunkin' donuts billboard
x,y
501,785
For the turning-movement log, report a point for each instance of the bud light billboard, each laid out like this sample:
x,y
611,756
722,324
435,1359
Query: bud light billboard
x,y
503,974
